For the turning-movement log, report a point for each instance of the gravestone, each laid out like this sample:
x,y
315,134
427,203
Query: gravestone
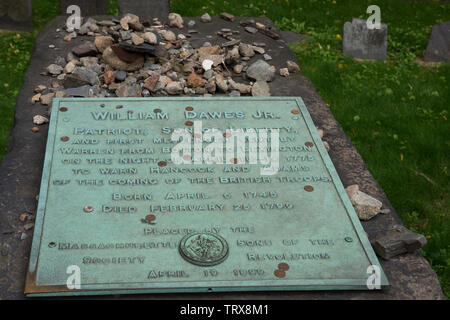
x,y
88,7
16,15
145,9
114,203
438,48
360,42
410,275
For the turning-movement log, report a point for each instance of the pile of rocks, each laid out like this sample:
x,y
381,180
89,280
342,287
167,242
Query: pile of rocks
x,y
130,58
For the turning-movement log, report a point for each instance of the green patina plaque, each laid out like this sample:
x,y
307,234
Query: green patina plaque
x,y
119,214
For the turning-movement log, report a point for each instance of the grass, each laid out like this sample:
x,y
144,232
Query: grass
x,y
395,112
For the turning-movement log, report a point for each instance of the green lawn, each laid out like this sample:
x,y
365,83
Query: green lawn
x,y
395,112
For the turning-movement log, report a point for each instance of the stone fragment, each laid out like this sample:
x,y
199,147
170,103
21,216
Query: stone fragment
x,y
261,70
168,35
260,89
125,35
86,49
109,76
137,40
360,42
46,99
89,61
320,132
241,87
208,74
327,145
207,64
151,82
211,86
81,76
205,18
215,58
133,50
284,72
234,93
60,61
36,98
221,84
174,88
84,29
195,80
231,43
351,190
131,21
110,57
83,91
227,16
246,50
128,90
365,206
238,68
438,47
267,57
251,30
292,66
175,20
54,69
38,119
25,216
150,38
397,241
28,226
61,94
209,50
103,42
106,23
94,27
40,88
69,67
259,50
120,75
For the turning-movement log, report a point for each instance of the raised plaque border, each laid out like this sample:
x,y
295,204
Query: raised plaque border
x,y
33,290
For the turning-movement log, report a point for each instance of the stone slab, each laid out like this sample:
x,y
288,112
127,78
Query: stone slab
x,y
16,15
438,48
237,209
410,275
145,9
360,42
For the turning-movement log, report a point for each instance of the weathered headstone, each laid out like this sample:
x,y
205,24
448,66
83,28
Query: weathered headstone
x,y
438,48
16,15
88,7
114,202
360,42
145,9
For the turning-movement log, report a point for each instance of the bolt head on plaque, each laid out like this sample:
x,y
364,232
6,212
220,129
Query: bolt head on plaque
x,y
204,249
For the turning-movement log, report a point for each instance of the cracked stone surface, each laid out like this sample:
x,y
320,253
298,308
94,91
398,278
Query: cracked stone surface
x,y
410,275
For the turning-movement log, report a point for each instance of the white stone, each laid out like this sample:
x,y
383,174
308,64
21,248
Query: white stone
x,y
205,18
150,37
284,72
175,20
168,35
365,206
207,64
38,119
